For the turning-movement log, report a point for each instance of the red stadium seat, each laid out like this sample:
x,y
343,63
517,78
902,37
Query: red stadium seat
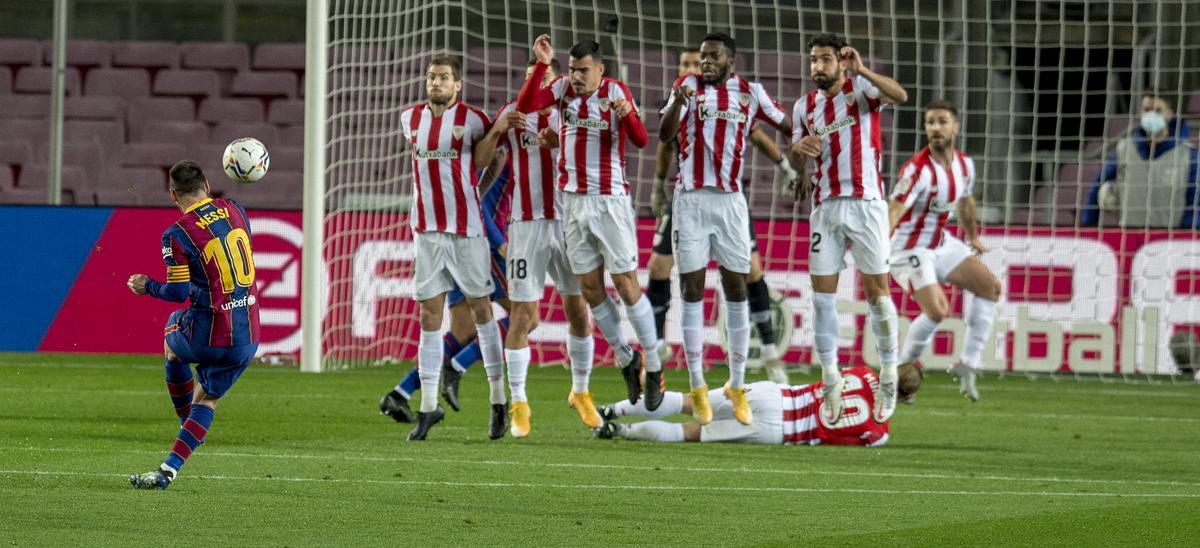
x,y
279,56
148,110
83,54
39,80
1118,127
292,135
281,189
6,183
287,157
87,155
149,182
1075,181
148,55
35,180
215,109
265,84
35,132
230,56
160,155
123,82
185,133
286,111
189,83
15,152
25,106
95,107
226,132
5,80
108,134
20,52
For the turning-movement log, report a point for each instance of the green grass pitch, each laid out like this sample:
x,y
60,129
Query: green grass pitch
x,y
298,460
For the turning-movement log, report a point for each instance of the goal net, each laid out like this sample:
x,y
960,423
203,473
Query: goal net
x,y
1049,93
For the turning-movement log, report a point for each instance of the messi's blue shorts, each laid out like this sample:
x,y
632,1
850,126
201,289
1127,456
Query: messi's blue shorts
x,y
217,367
499,281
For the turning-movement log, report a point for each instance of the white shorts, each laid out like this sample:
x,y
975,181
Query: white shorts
x,y
863,224
444,260
922,267
710,224
766,406
535,248
600,231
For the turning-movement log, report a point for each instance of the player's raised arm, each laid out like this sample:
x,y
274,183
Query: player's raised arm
x,y
485,149
533,96
681,94
890,91
631,123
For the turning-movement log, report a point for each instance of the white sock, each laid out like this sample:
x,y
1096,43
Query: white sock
x,y
825,327
518,370
609,321
653,431
581,351
737,326
641,315
492,348
920,335
693,341
672,404
883,317
429,367
979,327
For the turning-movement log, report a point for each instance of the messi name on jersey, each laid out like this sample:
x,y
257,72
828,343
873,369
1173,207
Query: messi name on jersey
x,y
212,217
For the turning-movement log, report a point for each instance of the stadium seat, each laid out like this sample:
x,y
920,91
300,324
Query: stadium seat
x,y
16,53
160,155
40,80
287,157
185,133
1075,181
264,84
95,107
6,182
286,111
150,183
285,190
35,132
15,152
279,56
25,106
5,80
1193,103
228,56
123,82
292,135
1118,126
82,54
188,83
89,156
109,134
148,110
147,55
348,55
32,186
216,109
225,132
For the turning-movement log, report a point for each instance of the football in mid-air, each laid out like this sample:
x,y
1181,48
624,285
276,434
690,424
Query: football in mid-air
x,y
246,160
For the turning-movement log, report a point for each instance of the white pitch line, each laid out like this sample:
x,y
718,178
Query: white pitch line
x,y
1183,391
592,466
1052,416
626,487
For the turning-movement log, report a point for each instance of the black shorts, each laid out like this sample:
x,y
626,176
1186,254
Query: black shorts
x,y
662,243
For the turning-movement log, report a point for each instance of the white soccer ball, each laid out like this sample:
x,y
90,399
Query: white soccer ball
x,y
246,160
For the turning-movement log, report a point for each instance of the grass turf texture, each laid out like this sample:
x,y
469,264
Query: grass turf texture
x,y
296,459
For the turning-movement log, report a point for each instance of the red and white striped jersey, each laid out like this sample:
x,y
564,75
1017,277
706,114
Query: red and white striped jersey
x,y
714,127
848,125
591,154
801,413
446,183
929,193
532,167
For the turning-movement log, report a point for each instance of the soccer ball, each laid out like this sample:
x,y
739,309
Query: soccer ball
x,y
246,160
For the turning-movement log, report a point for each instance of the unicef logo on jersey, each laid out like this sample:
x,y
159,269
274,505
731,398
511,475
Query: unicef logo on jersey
x,y
939,206
529,141
710,113
247,301
572,119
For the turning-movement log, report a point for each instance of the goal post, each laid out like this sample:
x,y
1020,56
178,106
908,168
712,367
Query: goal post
x,y
1047,91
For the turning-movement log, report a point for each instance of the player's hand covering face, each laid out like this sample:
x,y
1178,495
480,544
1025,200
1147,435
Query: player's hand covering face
x,y
941,128
440,86
585,74
826,66
715,62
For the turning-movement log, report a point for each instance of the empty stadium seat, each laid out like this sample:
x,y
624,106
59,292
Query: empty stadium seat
x,y
264,84
148,182
1075,181
95,107
25,106
148,55
279,56
287,157
110,134
14,152
160,155
5,80
20,52
216,109
228,56
84,54
286,111
122,82
189,83
34,182
282,189
40,80
186,133
292,135
225,132
87,155
35,132
6,182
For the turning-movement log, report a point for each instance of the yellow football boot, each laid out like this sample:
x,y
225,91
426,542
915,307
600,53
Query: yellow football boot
x,y
519,425
701,410
741,407
582,402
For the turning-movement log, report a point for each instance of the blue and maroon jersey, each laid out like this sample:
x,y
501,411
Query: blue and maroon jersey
x,y
208,253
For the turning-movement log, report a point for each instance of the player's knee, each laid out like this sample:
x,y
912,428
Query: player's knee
x,y
627,287
522,320
991,290
481,310
430,320
692,288
660,266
